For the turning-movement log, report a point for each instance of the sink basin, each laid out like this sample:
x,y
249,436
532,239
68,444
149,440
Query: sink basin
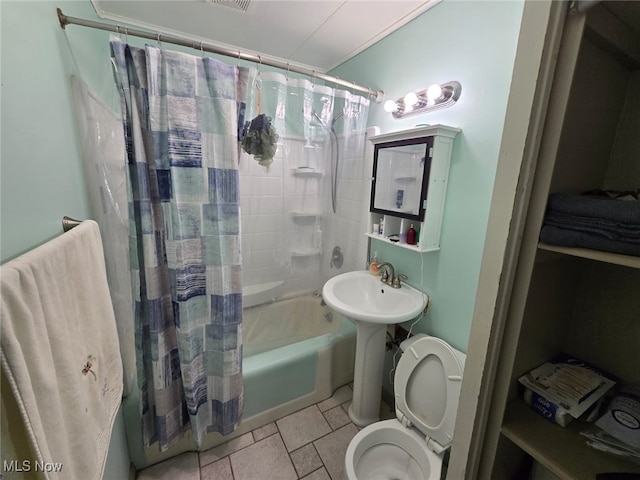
x,y
362,296
372,306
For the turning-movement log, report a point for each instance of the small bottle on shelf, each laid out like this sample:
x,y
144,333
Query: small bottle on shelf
x,y
382,226
411,235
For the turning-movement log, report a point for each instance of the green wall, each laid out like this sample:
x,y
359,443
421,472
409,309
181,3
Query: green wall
x,y
40,171
473,42
41,176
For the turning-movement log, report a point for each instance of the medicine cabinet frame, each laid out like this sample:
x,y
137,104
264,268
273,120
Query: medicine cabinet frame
x,y
391,167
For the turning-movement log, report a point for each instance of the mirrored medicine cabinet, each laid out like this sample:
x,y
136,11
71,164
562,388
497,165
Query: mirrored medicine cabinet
x,y
400,177
409,183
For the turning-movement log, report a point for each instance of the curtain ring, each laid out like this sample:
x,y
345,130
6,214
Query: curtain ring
x,y
313,75
159,43
118,31
288,68
201,49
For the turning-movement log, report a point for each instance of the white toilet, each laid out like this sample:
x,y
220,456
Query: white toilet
x,y
427,389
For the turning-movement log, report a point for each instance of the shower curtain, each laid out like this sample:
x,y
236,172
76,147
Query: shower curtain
x,y
180,116
289,224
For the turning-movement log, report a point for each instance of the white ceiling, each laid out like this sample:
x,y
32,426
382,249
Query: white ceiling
x,y
317,34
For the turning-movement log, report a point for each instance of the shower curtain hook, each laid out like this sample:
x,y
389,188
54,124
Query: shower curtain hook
x,y
201,49
313,76
288,68
159,43
239,53
126,34
118,31
259,66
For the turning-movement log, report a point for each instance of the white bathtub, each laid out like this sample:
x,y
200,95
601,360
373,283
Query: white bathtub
x,y
296,352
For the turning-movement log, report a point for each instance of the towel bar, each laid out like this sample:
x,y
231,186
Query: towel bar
x,y
68,223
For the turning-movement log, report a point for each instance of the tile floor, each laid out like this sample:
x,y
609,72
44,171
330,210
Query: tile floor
x,y
309,444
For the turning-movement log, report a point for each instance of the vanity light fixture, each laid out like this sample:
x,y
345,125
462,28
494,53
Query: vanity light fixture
x,y
433,98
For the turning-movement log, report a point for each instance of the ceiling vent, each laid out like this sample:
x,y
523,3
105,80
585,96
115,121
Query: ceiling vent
x,y
242,5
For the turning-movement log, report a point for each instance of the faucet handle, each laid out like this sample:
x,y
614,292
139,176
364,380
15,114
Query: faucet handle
x,y
384,275
396,280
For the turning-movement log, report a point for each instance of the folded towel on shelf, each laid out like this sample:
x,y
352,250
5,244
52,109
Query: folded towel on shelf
x,y
605,228
599,220
573,238
625,212
60,352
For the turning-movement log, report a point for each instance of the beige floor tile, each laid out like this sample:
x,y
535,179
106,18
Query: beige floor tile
x,y
219,470
216,453
340,396
302,427
266,459
332,449
336,417
182,467
264,432
306,460
320,474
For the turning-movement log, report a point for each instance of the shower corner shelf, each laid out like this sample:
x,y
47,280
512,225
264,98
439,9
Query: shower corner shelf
x,y
305,252
406,179
299,214
306,172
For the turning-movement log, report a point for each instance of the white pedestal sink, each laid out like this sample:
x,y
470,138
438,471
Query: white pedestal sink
x,y
372,305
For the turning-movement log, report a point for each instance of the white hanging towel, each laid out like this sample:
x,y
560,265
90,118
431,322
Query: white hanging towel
x,y
60,353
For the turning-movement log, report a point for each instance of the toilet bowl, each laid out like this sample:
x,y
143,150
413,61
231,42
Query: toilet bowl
x,y
410,447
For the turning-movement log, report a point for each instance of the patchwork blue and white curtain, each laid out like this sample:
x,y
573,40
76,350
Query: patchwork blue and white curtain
x,y
181,115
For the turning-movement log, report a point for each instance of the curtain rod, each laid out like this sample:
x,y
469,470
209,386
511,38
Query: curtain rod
x,y
64,20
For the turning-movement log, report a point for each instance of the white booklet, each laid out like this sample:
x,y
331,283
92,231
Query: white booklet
x,y
618,430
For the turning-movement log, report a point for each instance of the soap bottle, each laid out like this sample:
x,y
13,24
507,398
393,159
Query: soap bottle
x,y
382,226
373,265
411,235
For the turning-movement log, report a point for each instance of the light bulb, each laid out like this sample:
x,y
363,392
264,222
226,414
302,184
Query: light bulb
x,y
390,106
434,92
410,99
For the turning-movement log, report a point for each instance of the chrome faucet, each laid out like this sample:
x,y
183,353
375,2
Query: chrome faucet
x,y
388,275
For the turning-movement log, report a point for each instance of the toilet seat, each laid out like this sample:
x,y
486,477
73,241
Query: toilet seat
x,y
427,385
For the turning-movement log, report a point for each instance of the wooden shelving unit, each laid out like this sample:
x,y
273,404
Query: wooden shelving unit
x,y
607,257
573,300
563,451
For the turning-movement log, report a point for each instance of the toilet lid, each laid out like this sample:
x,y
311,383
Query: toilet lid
x,y
427,385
